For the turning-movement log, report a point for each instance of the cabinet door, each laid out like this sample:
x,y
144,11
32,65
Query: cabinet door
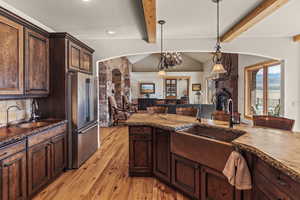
x,y
186,176
161,155
11,57
58,155
86,61
13,177
36,63
39,166
265,190
214,185
74,56
140,151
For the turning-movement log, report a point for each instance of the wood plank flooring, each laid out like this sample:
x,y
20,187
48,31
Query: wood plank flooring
x,y
105,176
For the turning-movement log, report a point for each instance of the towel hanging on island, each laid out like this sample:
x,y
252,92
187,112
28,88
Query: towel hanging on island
x,y
237,172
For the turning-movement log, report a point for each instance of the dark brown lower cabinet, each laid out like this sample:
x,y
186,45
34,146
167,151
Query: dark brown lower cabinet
x,y
140,151
162,155
186,176
46,156
270,183
265,190
58,154
13,177
214,186
39,166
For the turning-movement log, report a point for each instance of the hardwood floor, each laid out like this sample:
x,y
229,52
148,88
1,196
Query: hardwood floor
x,y
105,176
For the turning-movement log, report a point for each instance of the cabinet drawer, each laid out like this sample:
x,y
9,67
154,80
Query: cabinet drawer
x,y
45,135
269,190
12,149
140,130
277,178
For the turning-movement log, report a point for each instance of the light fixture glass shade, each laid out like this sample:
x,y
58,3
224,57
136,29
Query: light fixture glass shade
x,y
162,73
218,68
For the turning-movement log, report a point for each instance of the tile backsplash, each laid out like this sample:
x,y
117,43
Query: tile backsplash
x,y
14,113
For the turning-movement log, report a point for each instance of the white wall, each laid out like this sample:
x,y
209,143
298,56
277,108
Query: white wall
x,y
152,77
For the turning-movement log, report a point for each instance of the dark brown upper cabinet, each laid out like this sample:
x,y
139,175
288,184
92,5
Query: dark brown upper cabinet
x,y
11,57
74,56
79,58
86,61
36,63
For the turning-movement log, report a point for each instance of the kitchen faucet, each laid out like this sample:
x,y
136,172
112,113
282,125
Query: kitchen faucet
x,y
7,113
230,112
34,108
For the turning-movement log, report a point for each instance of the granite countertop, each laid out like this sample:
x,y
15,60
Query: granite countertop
x,y
170,122
14,133
279,148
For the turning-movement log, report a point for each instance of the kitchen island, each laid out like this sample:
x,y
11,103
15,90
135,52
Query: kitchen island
x,y
190,156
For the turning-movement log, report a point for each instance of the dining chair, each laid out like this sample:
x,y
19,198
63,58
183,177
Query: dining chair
x,y
117,113
273,122
189,111
156,109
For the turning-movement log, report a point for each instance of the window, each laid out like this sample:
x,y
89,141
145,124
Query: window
x,y
263,89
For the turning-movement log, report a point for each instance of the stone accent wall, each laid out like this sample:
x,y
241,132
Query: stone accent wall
x,y
15,114
106,86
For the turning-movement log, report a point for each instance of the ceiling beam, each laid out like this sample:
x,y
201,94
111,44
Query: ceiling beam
x,y
296,38
149,7
266,8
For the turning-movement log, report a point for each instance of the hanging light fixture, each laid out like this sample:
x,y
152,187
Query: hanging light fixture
x,y
161,65
167,59
218,67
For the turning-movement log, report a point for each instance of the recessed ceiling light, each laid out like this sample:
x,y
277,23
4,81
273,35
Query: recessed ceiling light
x,y
86,0
111,32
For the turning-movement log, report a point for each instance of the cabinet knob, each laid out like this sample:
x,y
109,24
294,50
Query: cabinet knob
x,y
281,182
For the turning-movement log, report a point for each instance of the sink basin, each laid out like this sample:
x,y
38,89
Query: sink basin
x,y
221,134
33,124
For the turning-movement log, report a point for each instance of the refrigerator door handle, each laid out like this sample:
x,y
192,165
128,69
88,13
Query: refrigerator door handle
x,y
87,130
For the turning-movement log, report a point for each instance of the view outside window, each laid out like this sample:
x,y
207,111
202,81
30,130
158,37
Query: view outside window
x,y
257,92
263,90
274,87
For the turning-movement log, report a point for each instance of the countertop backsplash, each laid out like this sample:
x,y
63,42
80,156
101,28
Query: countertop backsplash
x,y
15,115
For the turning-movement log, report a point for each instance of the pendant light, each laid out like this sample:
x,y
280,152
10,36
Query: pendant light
x,y
161,65
218,67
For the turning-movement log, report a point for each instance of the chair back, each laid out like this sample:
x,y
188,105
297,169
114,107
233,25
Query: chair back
x,y
156,109
125,101
112,101
184,100
224,116
273,122
187,111
220,115
160,101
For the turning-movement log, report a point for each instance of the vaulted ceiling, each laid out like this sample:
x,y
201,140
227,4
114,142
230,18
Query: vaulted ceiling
x,y
185,19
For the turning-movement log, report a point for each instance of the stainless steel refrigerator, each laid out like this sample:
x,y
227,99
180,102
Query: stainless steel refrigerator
x,y
82,116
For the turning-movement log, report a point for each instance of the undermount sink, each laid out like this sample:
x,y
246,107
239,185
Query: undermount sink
x,y
33,124
221,134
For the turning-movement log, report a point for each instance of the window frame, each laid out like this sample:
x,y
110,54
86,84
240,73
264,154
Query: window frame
x,y
247,90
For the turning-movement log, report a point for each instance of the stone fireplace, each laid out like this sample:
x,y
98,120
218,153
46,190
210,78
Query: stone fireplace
x,y
222,98
227,84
